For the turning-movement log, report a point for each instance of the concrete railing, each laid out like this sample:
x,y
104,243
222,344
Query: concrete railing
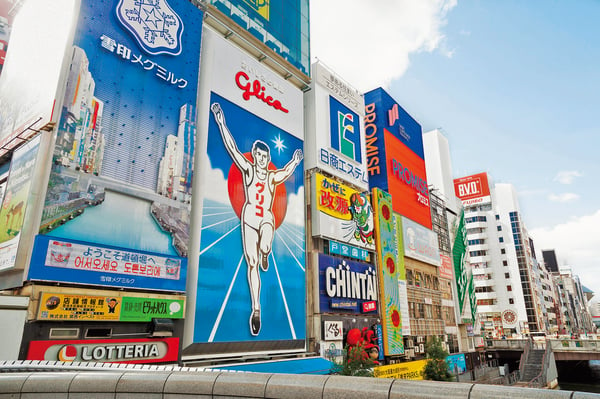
x,y
188,385
574,345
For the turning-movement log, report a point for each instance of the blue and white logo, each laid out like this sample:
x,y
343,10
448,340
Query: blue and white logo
x,y
153,23
345,130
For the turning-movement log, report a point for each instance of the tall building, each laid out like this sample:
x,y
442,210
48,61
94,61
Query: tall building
x,y
507,284
550,261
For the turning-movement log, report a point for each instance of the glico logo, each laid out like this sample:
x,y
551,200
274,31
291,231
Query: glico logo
x,y
345,130
256,89
153,24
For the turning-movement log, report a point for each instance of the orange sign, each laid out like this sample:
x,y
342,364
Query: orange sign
x,y
407,181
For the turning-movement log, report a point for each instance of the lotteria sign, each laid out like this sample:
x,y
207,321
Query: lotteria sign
x,y
473,189
106,350
345,286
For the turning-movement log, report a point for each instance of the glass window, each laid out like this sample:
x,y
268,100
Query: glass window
x,y
499,228
511,301
506,275
508,288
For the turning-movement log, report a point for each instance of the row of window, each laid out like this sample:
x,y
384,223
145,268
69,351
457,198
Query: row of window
x,y
420,279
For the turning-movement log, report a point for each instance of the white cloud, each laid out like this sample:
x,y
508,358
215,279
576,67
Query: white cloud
x,y
577,244
368,42
564,197
567,176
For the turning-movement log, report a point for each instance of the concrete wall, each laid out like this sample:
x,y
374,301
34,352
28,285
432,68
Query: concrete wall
x,y
221,385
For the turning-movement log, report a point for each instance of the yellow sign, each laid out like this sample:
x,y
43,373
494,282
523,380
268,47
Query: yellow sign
x,y
63,307
403,371
260,6
333,198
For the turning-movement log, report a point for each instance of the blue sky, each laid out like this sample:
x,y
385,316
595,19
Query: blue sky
x,y
514,86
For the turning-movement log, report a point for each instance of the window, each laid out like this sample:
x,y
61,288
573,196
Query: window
x,y
504,263
499,228
503,251
506,275
509,288
497,217
511,301
501,239
409,277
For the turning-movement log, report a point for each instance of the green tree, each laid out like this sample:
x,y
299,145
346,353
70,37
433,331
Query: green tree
x,y
356,362
436,368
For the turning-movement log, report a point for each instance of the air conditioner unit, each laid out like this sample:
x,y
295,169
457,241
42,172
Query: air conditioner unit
x,y
419,339
410,343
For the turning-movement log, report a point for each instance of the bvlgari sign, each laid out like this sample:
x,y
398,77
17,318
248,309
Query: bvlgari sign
x,y
106,350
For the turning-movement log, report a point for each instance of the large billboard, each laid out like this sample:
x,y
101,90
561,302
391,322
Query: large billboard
x,y
31,70
282,25
473,189
341,213
16,200
395,162
251,276
122,169
420,243
346,286
389,272
335,140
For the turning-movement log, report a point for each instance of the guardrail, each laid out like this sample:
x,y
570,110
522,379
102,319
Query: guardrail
x,y
180,385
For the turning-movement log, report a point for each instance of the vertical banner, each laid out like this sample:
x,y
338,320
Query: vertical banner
x,y
402,287
387,256
123,160
459,258
251,276
15,201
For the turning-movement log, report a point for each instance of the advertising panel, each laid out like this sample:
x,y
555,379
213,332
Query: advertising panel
x,y
66,307
395,162
457,363
474,189
338,248
446,267
460,260
73,261
384,114
403,371
251,283
333,330
106,350
402,287
389,269
346,286
420,243
342,213
31,70
509,318
335,140
123,159
282,25
15,201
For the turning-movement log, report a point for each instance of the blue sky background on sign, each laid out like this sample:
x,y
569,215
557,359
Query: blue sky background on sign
x,y
513,85
223,304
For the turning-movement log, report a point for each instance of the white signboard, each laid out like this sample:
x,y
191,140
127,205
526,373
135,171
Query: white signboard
x,y
420,243
333,330
335,139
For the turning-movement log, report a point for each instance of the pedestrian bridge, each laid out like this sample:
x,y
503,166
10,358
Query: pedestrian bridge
x,y
563,348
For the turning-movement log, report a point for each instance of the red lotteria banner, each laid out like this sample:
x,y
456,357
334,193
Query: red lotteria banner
x,y
407,181
472,189
106,350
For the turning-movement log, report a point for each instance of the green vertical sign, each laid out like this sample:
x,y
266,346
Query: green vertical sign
x,y
459,256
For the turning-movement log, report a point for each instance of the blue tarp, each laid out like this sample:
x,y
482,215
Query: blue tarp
x,y
305,365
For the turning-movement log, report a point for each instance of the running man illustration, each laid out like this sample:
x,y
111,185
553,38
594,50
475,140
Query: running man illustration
x,y
257,219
